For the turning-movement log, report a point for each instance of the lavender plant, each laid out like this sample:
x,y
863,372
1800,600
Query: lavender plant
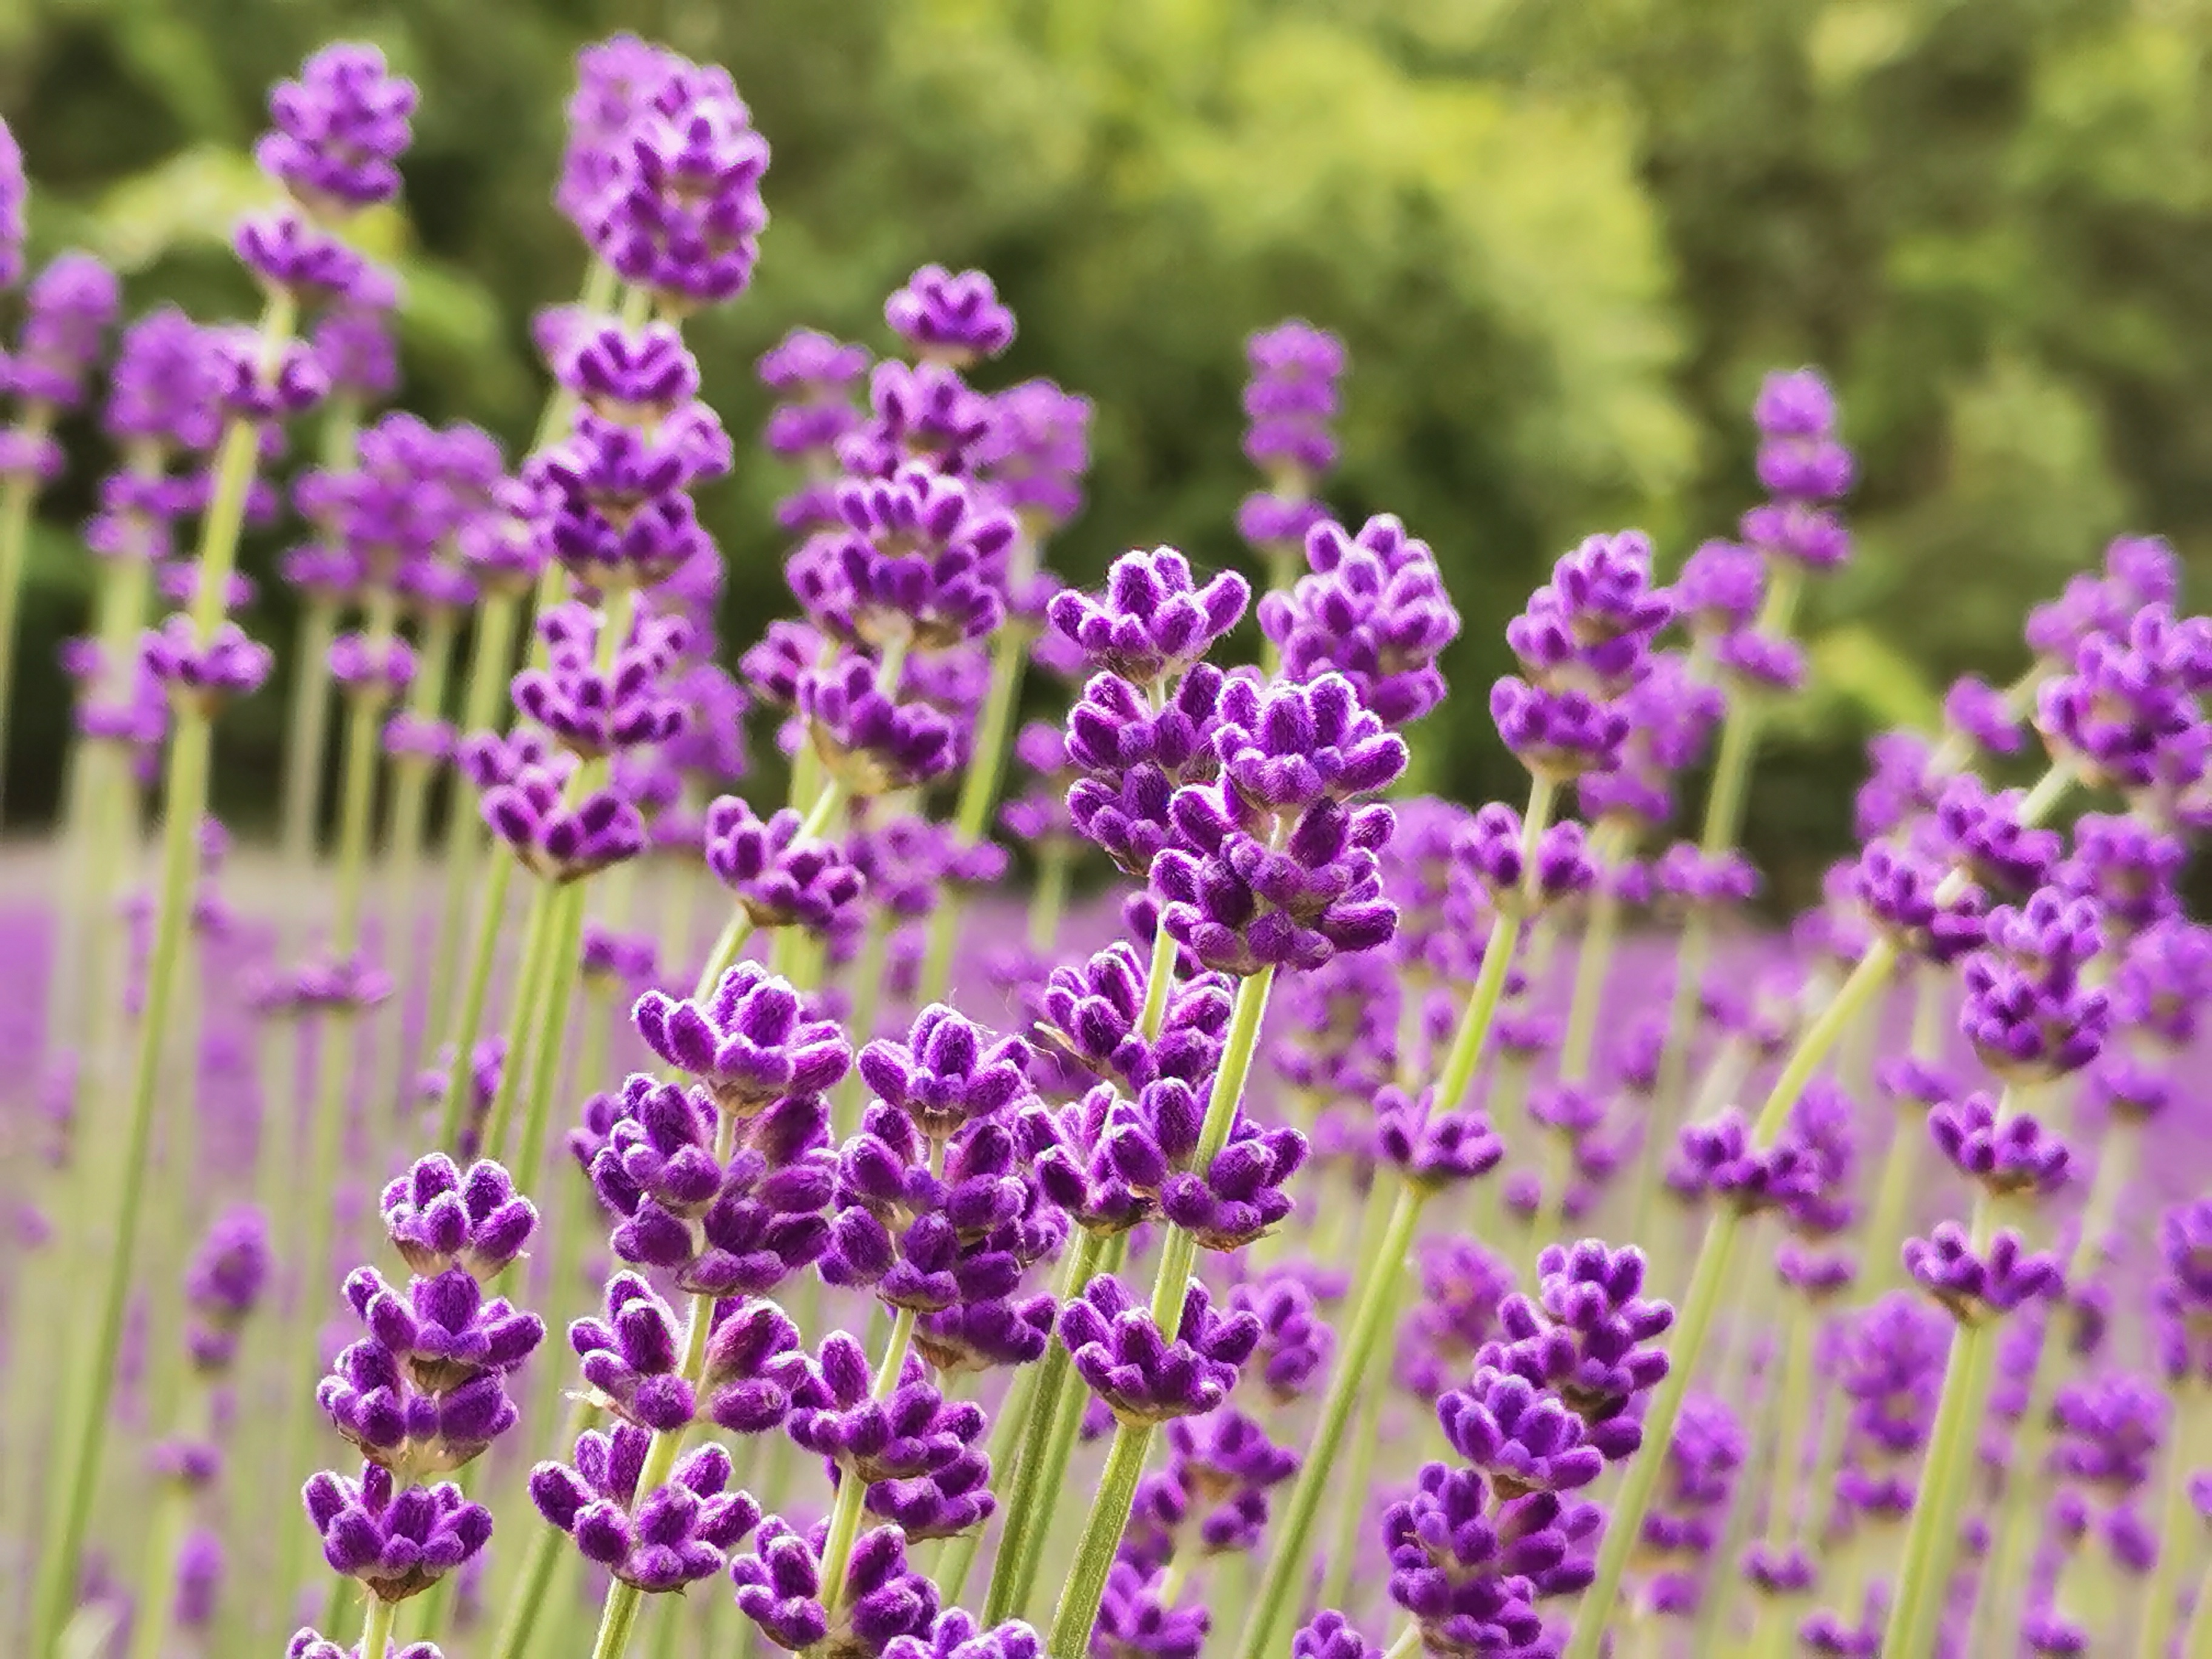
x,y
1258,1209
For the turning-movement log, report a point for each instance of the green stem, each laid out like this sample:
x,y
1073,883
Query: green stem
x,y
1692,955
559,991
1916,1610
1037,1471
156,1609
1352,1511
1589,994
1102,1539
1796,1401
2197,1641
76,1474
1699,1303
1004,1449
979,791
1159,980
852,1491
16,496
1280,1586
1179,1249
491,656
460,1071
1055,857
376,1626
869,973
306,729
532,968
2161,1596
527,1598
1474,1030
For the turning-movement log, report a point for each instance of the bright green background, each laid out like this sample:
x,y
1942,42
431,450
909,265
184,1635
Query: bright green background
x,y
1562,241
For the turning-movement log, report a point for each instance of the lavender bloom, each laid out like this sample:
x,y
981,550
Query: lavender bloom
x,y
1034,457
1469,1570
1490,849
1374,610
681,212
948,317
1975,1285
223,1282
1295,1340
339,129
1587,1337
1704,1459
425,1390
869,740
439,1218
1523,1438
1329,1635
2111,1429
1093,1012
1434,1150
780,1589
918,557
2017,1155
2127,713
946,1075
67,312
2130,868
2028,1011
1289,401
1144,1376
1135,1621
677,1534
559,842
1153,621
750,1043
229,666
397,1541
780,881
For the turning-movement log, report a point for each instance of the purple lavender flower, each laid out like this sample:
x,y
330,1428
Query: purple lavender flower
x,y
956,1635
339,129
780,881
1523,1438
750,1043
949,318
1587,1336
780,1589
67,312
1469,1570
867,739
223,1282
1153,621
2028,1011
947,1073
397,1540
1705,1460
680,212
677,1534
2015,1154
562,843
1289,401
439,1218
307,1643
1035,454
1433,1150
1124,1358
1976,1284
1374,610
229,666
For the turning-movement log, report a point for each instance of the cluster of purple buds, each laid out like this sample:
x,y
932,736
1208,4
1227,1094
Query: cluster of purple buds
x,y
915,1451
223,1282
674,205
1274,866
813,376
2030,1010
681,1532
1289,403
1584,642
1803,466
882,1604
780,880
204,676
1589,1336
425,1390
1374,610
593,712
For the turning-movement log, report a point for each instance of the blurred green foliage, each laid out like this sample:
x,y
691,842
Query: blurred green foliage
x,y
1563,241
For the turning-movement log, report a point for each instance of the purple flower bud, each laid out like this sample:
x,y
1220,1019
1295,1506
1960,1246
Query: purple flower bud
x,y
949,318
206,676
751,1042
1374,610
67,312
397,1541
338,129
1152,620
1123,1358
14,190
439,1218
873,743
675,1535
780,1589
1977,1286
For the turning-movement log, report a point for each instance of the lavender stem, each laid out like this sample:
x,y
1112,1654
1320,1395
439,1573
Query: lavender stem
x,y
77,1472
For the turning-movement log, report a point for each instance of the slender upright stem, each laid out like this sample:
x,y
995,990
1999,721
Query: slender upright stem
x,y
1036,1473
16,496
1048,902
306,729
852,1491
1916,1609
2196,1640
1109,1512
1004,1449
76,1471
1159,980
1101,1540
376,1626
979,791
491,654
1179,1249
460,1069
2162,1595
527,1598
1279,1588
